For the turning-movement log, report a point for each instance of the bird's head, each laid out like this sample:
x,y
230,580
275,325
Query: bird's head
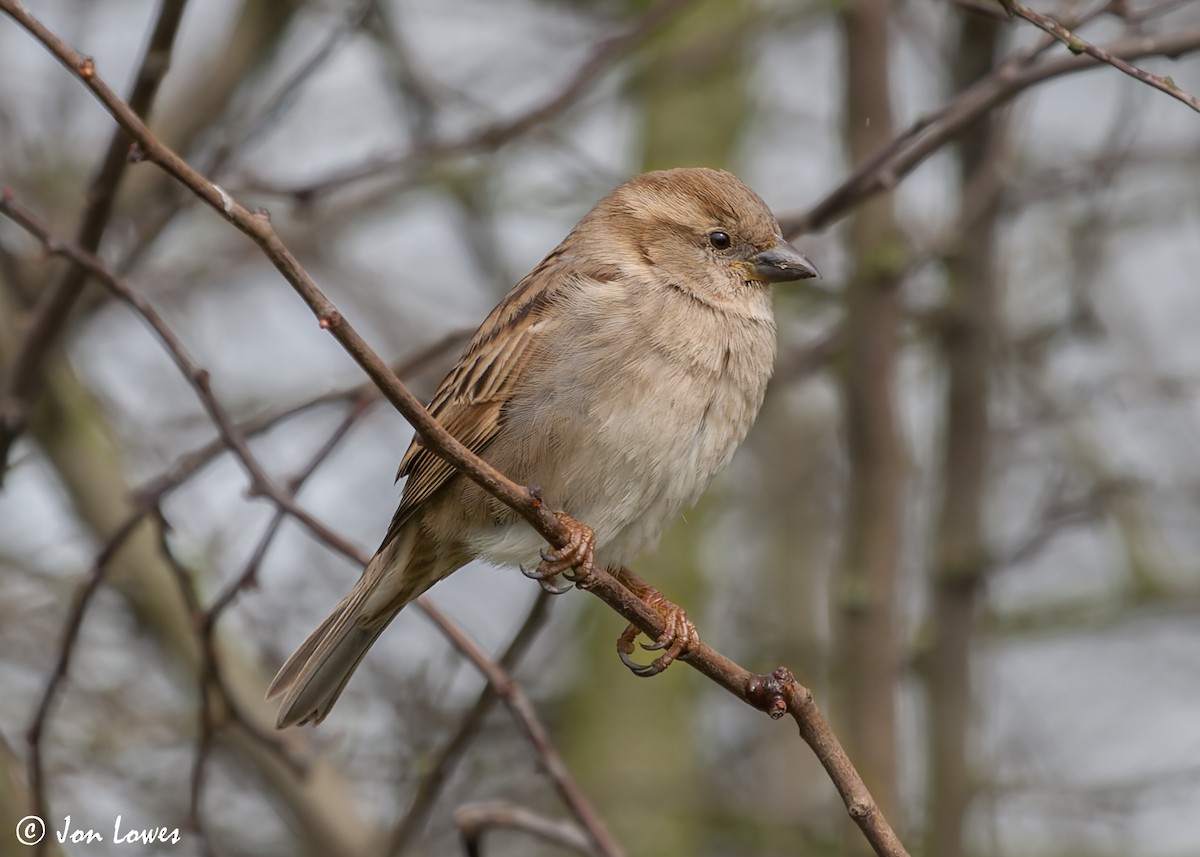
x,y
701,229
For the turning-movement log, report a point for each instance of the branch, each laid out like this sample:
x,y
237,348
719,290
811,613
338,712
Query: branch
x,y
66,648
931,132
439,769
475,819
50,315
1077,46
495,135
187,465
777,694
198,377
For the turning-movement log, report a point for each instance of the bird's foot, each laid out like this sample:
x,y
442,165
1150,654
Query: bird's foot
x,y
574,560
678,637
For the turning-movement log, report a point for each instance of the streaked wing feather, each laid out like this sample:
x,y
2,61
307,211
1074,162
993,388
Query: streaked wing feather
x,y
473,424
469,403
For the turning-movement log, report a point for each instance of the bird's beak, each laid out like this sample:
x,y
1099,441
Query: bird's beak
x,y
782,264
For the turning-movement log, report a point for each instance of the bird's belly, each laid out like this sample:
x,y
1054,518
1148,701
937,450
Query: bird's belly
x,y
626,459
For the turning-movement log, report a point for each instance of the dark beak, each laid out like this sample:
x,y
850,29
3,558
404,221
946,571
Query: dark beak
x,y
782,264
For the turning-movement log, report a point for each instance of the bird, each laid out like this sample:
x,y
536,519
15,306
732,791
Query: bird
x,y
618,377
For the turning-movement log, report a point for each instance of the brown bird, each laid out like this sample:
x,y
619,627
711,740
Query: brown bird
x,y
619,376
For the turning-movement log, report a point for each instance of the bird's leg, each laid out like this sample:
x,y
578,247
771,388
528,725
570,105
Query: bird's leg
x,y
574,560
678,637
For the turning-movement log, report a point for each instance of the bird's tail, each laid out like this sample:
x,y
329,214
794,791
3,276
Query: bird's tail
x,y
313,678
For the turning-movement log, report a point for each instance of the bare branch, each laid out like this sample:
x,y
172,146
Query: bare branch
x,y
260,481
66,648
1077,45
188,465
50,315
475,819
606,53
931,132
440,767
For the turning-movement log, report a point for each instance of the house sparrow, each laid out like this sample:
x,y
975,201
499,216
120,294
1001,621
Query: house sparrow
x,y
618,377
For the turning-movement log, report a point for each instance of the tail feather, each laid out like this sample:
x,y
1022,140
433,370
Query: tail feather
x,y
313,678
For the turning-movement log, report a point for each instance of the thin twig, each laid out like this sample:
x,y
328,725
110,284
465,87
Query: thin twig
x,y
605,54
206,620
212,692
288,91
535,731
260,482
250,571
66,649
475,819
190,463
48,318
1077,45
440,769
929,133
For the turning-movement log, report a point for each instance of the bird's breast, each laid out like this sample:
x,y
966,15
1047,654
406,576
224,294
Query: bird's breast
x,y
626,414
638,414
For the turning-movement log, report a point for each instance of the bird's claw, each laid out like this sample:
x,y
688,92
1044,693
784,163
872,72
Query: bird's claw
x,y
547,583
625,649
573,561
679,635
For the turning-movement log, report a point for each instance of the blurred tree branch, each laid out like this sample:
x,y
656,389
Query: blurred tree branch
x,y
74,437
604,56
475,819
447,757
49,317
928,134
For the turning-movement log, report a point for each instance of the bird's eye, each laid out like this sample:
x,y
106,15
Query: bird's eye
x,y
719,239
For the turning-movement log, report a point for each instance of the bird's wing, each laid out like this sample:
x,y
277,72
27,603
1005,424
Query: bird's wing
x,y
470,401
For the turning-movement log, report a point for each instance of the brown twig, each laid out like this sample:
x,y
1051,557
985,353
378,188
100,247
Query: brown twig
x,y
212,690
776,694
250,570
66,649
205,729
158,212
260,482
930,133
475,819
442,766
1077,45
190,463
607,52
146,501
535,731
287,92
50,315
205,621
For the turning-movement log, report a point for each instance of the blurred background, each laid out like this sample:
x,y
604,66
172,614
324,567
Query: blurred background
x,y
967,516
